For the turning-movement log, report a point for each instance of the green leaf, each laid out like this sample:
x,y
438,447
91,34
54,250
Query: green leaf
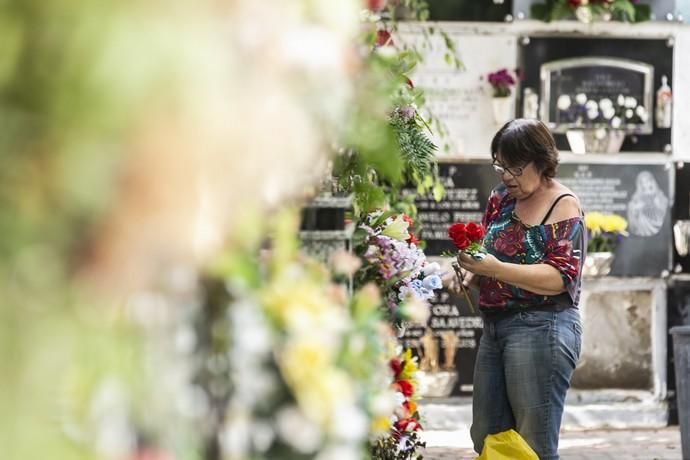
x,y
624,8
539,11
642,12
561,10
438,191
379,220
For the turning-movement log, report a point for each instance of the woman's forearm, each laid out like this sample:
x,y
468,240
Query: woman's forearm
x,y
538,278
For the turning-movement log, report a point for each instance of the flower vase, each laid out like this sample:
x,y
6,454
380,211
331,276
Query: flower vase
x,y
595,140
503,109
598,264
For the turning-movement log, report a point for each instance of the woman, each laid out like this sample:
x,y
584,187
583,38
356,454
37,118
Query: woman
x,y
529,287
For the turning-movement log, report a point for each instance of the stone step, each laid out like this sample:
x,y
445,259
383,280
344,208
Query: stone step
x,y
584,410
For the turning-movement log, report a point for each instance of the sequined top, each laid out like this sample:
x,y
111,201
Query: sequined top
x,y
560,244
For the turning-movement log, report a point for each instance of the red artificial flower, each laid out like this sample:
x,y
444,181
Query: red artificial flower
x,y
383,38
458,233
408,219
457,230
475,232
396,366
376,5
407,424
413,240
405,387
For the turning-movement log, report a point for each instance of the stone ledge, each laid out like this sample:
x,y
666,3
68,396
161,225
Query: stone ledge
x,y
585,409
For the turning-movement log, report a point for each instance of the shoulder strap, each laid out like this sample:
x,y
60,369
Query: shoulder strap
x,y
553,205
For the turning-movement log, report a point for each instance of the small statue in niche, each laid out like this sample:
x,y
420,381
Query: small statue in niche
x,y
450,341
429,361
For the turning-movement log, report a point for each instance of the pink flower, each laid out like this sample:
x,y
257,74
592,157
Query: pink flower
x,y
376,5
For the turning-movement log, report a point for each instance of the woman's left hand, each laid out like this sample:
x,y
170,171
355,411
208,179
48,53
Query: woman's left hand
x,y
488,266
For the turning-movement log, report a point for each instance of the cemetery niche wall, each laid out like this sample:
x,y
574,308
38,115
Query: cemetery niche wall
x,y
600,68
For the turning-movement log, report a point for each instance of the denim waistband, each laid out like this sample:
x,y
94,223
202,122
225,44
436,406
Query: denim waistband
x,y
496,314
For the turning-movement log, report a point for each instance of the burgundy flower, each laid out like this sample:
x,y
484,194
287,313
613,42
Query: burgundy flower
x,y
509,241
383,38
492,295
396,366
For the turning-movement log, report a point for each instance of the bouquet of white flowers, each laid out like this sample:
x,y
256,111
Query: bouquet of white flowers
x,y
582,111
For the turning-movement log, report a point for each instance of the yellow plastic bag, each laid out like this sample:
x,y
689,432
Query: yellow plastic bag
x,y
507,445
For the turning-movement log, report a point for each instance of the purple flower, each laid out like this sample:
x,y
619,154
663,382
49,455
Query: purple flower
x,y
501,81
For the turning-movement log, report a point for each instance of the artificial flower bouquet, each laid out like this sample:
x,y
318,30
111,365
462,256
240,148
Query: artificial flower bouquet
x,y
468,238
404,441
393,260
583,111
501,82
605,231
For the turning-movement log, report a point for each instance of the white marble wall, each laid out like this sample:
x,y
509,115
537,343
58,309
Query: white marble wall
x,y
488,46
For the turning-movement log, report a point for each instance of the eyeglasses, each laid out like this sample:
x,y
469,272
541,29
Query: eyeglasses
x,y
501,170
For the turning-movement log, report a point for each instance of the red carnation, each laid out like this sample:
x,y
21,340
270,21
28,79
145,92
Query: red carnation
x,y
396,366
405,387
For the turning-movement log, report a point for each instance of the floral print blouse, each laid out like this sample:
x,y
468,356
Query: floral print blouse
x,y
560,244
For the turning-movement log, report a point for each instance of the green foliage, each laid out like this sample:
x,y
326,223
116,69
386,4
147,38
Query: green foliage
x,y
620,10
387,448
417,151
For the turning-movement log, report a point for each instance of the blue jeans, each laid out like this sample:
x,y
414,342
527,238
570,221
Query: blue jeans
x,y
521,375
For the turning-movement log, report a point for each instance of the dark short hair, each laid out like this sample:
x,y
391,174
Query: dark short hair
x,y
522,141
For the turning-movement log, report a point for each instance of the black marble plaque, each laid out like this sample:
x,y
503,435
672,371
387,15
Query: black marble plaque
x,y
597,79
642,194
468,186
447,346
469,10
536,51
639,192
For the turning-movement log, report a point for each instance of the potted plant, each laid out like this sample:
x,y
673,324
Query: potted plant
x,y
605,232
591,10
501,83
598,126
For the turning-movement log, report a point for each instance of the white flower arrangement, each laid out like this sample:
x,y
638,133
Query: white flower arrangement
x,y
580,110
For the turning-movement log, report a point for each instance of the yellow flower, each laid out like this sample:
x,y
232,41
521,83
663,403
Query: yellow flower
x,y
614,223
397,229
410,367
594,221
380,425
309,369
